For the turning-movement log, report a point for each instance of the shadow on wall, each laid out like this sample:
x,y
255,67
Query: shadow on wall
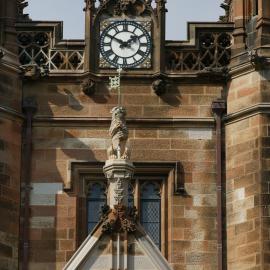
x,y
172,95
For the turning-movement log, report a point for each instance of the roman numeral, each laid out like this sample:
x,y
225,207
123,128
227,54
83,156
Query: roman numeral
x,y
116,29
125,26
141,53
109,53
144,44
124,61
115,59
110,36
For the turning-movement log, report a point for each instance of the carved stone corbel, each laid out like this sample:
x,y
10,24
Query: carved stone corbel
x,y
34,72
88,87
159,86
257,60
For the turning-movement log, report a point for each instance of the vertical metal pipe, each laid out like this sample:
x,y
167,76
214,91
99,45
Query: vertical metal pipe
x,y
29,107
218,108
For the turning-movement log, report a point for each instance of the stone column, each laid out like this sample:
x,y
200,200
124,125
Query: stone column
x,y
263,23
119,173
239,30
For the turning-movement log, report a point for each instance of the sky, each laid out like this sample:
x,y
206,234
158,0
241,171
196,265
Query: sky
x,y
179,12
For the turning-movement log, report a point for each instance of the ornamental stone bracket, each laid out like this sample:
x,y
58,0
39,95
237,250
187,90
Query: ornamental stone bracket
x,y
121,219
88,87
34,72
257,60
159,86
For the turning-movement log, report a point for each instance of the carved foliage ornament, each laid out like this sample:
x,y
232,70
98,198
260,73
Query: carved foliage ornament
x,y
120,219
119,7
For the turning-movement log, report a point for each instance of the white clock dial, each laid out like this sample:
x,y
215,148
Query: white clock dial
x,y
125,44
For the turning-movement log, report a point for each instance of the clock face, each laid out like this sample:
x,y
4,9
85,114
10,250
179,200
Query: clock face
x,y
125,44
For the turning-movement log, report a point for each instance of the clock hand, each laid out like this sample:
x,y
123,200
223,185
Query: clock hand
x,y
117,39
132,39
127,44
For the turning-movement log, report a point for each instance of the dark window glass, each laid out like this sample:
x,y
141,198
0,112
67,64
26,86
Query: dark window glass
x,y
130,196
150,206
95,200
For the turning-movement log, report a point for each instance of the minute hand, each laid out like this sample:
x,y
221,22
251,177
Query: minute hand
x,y
117,39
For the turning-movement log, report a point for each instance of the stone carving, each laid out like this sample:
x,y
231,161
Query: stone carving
x,y
21,5
120,219
119,135
161,5
120,7
89,4
226,6
88,87
159,87
34,72
136,7
257,60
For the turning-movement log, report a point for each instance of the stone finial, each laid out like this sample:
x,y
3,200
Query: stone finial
x,y
119,135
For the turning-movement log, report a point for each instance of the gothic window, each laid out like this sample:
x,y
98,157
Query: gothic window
x,y
150,191
149,200
150,214
95,200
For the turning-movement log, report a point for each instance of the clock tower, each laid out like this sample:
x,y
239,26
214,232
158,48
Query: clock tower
x,y
129,34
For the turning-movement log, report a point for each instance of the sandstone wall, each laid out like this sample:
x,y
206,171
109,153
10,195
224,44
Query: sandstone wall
x,y
65,129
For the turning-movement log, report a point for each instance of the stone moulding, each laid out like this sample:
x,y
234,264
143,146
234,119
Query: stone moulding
x,y
162,169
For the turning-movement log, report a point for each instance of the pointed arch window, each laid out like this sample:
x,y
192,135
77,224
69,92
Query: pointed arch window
x,y
96,198
150,206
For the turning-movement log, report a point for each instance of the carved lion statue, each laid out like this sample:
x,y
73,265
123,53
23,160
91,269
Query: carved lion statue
x,y
119,134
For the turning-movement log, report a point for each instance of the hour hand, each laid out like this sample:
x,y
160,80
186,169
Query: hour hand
x,y
132,39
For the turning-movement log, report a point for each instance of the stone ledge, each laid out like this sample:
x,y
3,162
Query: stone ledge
x,y
259,108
